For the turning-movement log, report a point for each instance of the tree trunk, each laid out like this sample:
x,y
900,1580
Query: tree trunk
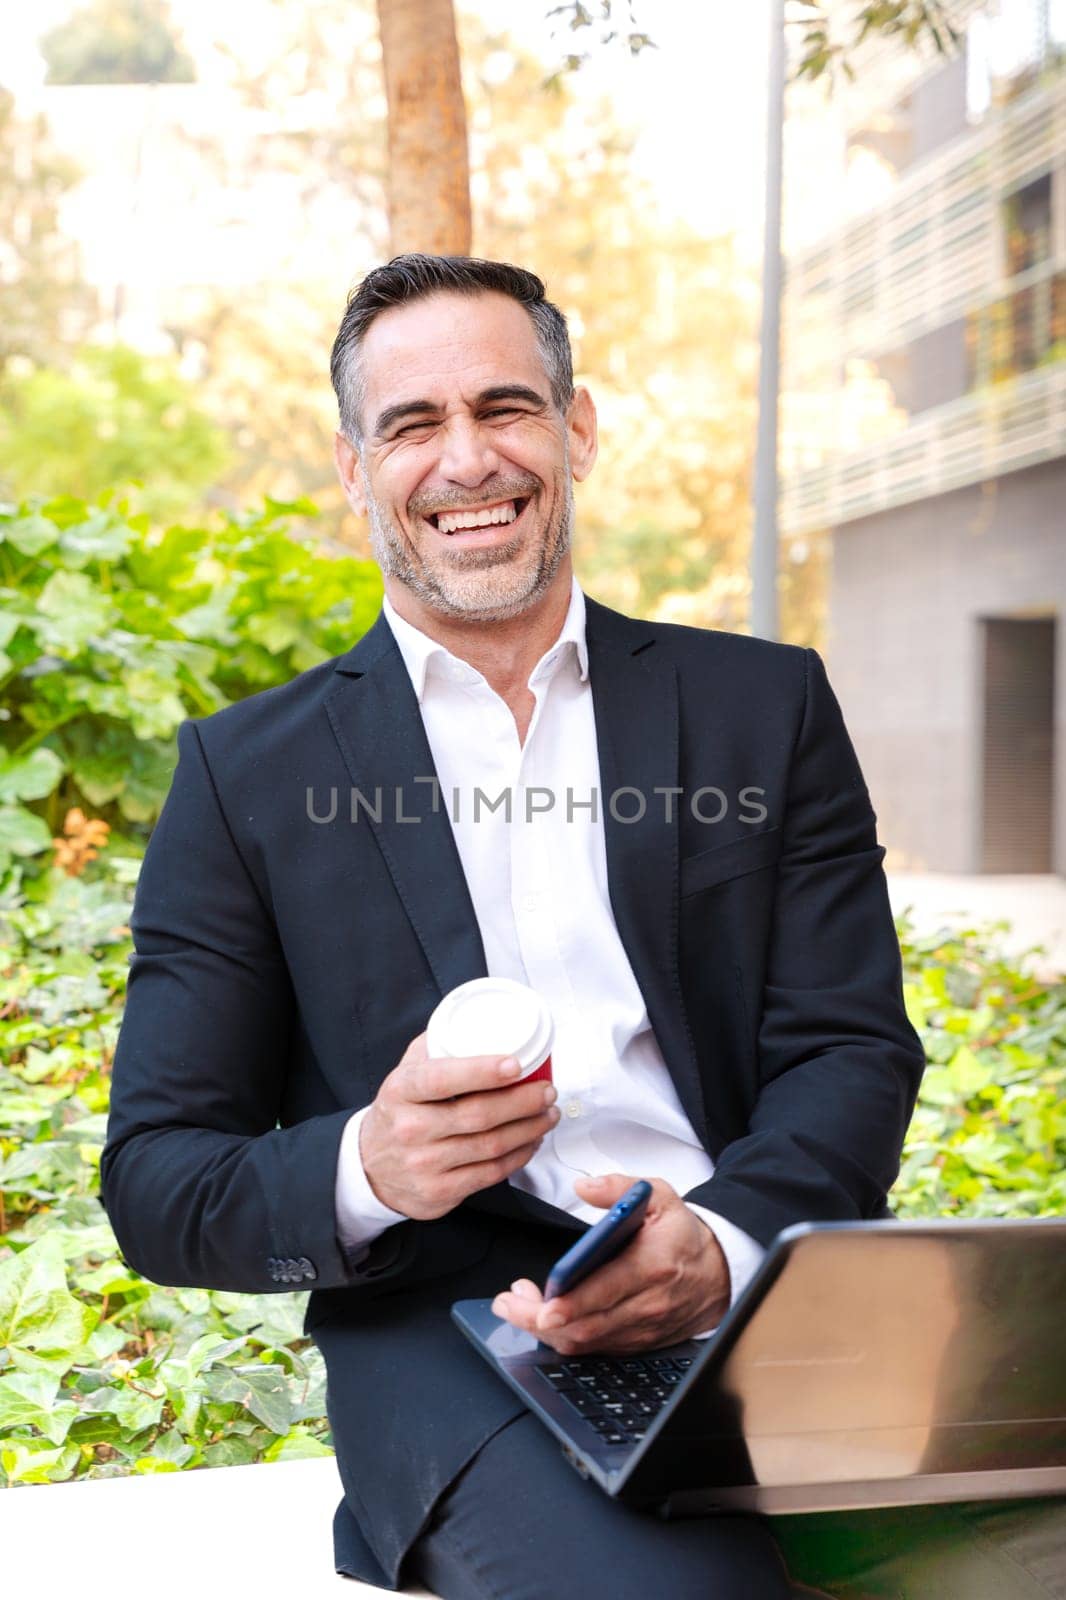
x,y
429,173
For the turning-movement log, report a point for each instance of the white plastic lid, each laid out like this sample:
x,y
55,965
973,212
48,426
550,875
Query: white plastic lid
x,y
492,1016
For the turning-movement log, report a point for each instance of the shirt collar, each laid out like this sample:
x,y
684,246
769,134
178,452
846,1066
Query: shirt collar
x,y
419,650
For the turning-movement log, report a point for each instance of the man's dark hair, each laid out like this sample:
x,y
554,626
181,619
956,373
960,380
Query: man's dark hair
x,y
412,277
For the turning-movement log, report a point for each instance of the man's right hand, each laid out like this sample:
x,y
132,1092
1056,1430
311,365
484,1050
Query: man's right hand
x,y
439,1130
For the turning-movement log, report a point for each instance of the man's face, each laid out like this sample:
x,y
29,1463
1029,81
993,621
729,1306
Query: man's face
x,y
458,426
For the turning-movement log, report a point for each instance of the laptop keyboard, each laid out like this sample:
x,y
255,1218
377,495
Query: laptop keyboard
x,y
619,1396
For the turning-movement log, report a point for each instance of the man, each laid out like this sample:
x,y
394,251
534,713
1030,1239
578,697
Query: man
x,y
686,869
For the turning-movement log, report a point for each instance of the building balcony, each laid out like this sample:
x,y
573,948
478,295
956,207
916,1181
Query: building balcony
x,y
998,429
937,248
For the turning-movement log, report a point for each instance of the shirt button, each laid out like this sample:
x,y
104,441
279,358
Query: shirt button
x,y
572,1108
530,902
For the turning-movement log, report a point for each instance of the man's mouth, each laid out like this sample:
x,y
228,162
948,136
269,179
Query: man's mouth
x,y
501,513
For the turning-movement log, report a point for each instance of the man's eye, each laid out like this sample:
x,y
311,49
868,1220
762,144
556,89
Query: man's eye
x,y
506,411
412,427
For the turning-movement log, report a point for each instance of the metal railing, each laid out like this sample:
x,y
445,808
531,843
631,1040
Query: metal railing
x,y
930,252
985,434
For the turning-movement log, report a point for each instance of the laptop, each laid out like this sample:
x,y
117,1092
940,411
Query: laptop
x,y
866,1364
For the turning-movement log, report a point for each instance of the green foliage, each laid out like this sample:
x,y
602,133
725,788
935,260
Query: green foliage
x,y
112,633
915,22
117,41
100,1371
988,1137
116,417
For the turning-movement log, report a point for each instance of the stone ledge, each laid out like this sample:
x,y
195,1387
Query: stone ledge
x,y
265,1531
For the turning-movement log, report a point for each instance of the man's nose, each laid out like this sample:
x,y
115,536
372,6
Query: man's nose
x,y
468,455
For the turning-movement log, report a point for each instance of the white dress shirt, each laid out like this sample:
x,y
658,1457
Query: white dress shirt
x,y
538,882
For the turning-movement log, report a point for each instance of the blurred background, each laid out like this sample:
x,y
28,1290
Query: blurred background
x,y
187,193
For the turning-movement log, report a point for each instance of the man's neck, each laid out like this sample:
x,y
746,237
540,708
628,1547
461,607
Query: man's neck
x,y
504,652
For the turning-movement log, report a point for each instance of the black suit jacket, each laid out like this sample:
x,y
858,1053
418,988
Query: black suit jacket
x,y
282,965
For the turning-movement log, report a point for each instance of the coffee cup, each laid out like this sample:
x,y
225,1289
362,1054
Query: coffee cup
x,y
494,1016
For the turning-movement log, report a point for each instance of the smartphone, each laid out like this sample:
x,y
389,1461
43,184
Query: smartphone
x,y
603,1240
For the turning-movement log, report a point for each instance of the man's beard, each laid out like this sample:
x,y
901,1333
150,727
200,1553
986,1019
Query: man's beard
x,y
487,583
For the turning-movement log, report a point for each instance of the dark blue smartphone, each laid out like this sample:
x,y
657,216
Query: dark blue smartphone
x,y
603,1240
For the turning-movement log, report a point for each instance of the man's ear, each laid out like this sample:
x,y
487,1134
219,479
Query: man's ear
x,y
350,472
584,441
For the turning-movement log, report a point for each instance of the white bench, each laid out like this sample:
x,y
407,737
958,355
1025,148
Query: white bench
x,y
264,1531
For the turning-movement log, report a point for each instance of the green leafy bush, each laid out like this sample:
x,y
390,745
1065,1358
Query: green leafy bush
x,y
114,416
111,633
102,1373
988,1137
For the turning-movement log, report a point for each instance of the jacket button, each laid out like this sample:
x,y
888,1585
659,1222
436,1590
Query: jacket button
x,y
307,1268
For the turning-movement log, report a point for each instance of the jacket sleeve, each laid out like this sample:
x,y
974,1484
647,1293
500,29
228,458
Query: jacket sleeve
x,y
839,1063
201,1184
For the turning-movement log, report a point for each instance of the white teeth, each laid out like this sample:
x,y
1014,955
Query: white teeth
x,y
451,521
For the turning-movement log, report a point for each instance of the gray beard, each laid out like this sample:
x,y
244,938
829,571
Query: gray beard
x,y
489,584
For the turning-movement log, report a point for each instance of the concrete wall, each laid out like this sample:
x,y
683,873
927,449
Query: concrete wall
x,y
904,651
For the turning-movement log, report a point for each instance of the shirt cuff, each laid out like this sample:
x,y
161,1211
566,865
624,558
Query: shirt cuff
x,y
361,1216
743,1254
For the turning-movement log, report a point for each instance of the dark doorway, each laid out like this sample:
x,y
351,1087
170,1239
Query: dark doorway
x,y
1018,749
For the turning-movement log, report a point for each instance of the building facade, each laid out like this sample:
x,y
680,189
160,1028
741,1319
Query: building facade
x,y
925,429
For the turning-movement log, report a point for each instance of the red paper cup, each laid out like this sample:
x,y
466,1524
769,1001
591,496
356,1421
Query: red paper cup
x,y
494,1016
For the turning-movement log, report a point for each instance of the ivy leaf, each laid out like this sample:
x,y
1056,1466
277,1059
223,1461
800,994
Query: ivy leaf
x,y
33,1461
41,1322
109,1278
22,833
967,1073
101,537
297,1445
150,775
211,620
172,1449
29,1399
153,706
72,610
30,777
274,630
261,1390
24,1392
101,764
210,1349
233,1451
30,534
133,1409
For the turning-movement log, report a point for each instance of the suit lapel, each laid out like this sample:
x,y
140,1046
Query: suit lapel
x,y
374,713
635,698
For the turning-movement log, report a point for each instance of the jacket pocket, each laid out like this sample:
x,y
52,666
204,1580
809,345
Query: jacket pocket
x,y
733,859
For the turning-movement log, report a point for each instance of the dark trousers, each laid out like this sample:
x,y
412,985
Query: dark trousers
x,y
519,1524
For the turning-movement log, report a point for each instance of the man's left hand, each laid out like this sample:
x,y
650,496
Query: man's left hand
x,y
669,1282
